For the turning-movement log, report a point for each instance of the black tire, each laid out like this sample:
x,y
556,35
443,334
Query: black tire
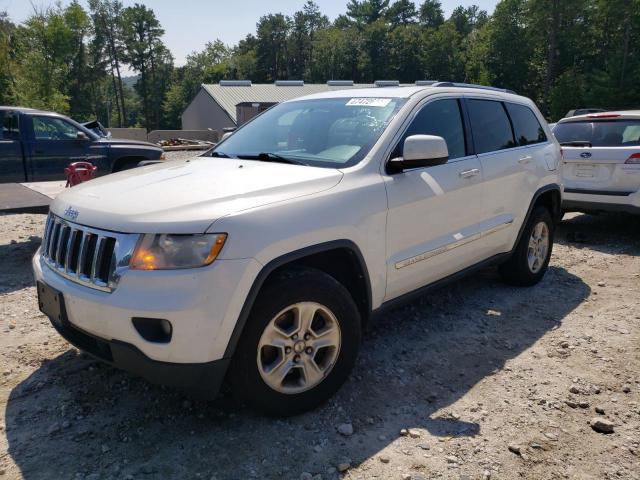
x,y
305,285
516,270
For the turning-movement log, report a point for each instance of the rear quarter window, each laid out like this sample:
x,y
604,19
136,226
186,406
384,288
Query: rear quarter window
x,y
526,125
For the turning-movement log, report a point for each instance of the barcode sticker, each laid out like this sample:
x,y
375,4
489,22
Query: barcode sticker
x,y
368,102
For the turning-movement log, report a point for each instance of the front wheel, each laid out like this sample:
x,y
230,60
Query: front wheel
x,y
299,345
530,259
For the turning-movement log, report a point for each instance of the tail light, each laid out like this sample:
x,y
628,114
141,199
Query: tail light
x,y
634,159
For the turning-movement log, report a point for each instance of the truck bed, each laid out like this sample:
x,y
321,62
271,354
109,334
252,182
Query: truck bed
x,y
28,197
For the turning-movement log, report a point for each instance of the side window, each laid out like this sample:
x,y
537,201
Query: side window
x,y
441,118
490,125
10,127
527,127
51,128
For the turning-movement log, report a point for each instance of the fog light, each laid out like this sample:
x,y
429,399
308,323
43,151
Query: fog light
x,y
157,330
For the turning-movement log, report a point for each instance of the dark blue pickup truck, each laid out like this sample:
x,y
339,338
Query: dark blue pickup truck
x,y
36,146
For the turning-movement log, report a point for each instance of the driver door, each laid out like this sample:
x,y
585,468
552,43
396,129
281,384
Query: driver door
x,y
434,213
55,144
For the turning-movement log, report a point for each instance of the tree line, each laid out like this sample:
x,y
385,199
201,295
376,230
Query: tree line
x,y
562,53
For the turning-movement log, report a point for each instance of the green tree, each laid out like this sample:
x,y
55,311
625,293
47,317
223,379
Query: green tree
x,y
431,14
509,48
108,47
365,12
8,94
271,47
208,66
442,53
402,12
405,48
80,76
146,54
304,26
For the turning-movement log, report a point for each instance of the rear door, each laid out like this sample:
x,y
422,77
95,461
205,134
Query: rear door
x,y
11,164
434,216
610,166
510,172
55,143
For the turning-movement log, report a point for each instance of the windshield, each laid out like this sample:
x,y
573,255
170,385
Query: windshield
x,y
617,133
334,132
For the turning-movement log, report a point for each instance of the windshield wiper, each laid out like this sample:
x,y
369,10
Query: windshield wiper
x,y
272,157
219,155
576,143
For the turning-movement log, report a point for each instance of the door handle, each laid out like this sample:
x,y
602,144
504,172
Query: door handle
x,y
469,173
525,160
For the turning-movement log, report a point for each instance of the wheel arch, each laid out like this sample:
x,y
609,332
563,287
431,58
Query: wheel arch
x,y
121,161
549,197
341,259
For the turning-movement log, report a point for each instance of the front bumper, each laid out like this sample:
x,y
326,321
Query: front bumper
x,y
201,377
202,305
601,202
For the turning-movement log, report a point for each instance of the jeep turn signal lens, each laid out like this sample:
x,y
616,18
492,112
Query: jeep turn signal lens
x,y
215,249
169,252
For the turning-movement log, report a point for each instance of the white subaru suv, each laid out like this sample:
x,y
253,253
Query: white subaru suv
x,y
601,164
262,262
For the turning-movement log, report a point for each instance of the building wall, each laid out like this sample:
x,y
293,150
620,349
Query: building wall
x,y
203,113
246,111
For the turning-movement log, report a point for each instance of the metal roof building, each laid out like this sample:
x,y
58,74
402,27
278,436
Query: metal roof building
x,y
232,102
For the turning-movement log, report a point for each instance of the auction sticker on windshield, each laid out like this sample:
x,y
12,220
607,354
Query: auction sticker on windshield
x,y
369,102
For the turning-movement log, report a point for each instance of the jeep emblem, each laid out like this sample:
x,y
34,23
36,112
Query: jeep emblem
x,y
71,213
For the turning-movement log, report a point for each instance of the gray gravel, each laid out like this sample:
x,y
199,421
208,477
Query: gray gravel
x,y
479,377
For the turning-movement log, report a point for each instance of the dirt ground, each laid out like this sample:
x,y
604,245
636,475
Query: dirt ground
x,y
475,381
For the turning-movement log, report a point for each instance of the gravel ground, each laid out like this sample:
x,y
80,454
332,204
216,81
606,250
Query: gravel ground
x,y
477,380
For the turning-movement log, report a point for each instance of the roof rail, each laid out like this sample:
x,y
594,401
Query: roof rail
x,y
340,83
235,83
425,83
387,83
289,83
471,85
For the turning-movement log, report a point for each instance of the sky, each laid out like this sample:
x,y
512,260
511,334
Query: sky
x,y
190,24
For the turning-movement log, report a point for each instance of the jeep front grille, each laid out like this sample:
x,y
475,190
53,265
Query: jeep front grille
x,y
88,256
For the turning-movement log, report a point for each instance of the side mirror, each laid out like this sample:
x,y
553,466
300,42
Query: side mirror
x,y
82,136
420,151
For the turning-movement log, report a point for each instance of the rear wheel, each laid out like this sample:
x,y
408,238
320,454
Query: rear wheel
x,y
299,345
530,259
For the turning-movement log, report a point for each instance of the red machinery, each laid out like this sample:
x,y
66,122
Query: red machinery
x,y
79,172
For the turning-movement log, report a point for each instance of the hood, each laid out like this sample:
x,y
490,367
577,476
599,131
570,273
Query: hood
x,y
186,196
130,143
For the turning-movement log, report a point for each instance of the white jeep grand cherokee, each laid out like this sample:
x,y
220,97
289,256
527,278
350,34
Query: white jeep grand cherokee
x,y
262,262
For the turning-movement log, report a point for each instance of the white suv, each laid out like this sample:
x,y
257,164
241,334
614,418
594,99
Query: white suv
x,y
601,165
262,262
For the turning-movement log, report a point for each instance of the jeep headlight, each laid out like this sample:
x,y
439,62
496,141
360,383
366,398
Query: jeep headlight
x,y
166,252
